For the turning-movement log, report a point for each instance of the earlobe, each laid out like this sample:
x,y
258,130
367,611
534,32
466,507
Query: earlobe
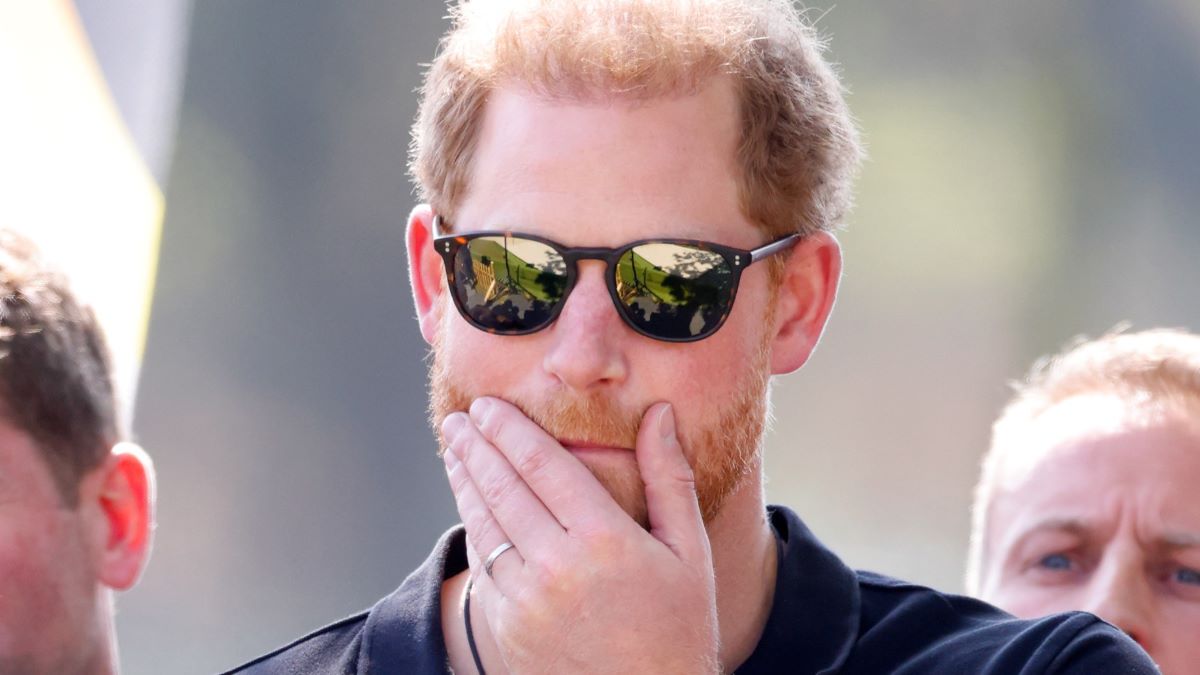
x,y
805,299
424,270
124,495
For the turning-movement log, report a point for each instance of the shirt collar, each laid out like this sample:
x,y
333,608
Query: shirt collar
x,y
403,633
814,617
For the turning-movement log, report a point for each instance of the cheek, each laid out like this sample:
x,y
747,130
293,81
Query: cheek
x,y
1177,649
721,373
46,595
483,363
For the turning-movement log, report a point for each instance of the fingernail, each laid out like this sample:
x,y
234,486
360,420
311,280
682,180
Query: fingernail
x,y
452,425
666,422
479,409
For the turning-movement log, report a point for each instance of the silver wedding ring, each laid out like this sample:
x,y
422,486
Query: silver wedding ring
x,y
496,553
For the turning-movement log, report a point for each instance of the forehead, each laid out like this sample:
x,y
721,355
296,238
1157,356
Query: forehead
x,y
1101,432
601,172
1092,459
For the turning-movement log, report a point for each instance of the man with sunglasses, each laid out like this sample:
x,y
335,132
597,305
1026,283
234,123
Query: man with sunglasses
x,y
602,181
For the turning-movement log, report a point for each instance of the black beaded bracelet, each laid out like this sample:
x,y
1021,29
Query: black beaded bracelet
x,y
467,621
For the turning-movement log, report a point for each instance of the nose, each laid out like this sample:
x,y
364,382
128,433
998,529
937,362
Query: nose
x,y
1121,594
586,353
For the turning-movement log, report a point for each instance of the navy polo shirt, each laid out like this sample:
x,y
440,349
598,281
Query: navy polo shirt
x,y
826,618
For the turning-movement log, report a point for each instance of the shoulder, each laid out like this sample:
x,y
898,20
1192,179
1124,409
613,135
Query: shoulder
x,y
829,618
328,650
401,633
921,630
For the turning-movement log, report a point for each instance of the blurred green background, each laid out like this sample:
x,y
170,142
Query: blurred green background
x,y
1033,175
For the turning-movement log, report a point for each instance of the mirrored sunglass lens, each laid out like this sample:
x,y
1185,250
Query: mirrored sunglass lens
x,y
674,291
509,284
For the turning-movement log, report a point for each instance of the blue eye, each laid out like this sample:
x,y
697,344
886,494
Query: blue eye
x,y
1055,561
1188,576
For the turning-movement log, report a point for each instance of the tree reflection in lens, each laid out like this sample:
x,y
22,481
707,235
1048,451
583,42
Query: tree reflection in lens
x,y
673,290
509,283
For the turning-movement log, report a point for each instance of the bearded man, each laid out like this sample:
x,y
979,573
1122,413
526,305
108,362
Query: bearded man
x,y
601,181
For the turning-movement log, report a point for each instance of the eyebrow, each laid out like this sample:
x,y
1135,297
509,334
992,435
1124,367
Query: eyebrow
x,y
1072,525
1173,540
1177,540
1009,550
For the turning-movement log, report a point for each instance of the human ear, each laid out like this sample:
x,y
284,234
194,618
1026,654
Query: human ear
x,y
805,298
121,495
424,270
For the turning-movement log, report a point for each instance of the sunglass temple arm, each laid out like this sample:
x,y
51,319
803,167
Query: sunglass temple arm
x,y
773,247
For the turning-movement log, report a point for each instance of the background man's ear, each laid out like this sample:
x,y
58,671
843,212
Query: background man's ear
x,y
120,495
425,271
806,296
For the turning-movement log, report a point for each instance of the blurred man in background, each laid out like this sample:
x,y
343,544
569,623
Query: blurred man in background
x,y
76,503
601,179
1090,494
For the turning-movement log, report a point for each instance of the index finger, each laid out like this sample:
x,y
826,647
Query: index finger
x,y
567,488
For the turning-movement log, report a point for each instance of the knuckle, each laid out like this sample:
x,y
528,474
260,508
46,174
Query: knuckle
x,y
552,580
481,530
492,423
458,479
546,574
605,545
463,445
533,463
681,477
532,605
497,490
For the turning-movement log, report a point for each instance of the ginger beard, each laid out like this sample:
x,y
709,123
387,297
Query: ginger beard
x,y
721,453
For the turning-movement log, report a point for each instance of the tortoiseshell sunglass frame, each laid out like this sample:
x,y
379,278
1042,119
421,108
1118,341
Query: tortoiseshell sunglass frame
x,y
447,246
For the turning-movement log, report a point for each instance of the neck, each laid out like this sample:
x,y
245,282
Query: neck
x,y
104,660
91,648
744,566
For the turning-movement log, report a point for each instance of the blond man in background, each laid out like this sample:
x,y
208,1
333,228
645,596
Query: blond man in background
x,y
1090,494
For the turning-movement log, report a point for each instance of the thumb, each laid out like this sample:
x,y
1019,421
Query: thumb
x,y
671,503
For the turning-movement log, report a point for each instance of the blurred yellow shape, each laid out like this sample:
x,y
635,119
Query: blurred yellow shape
x,y
71,177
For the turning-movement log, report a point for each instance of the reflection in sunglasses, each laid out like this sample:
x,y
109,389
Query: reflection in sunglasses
x,y
515,284
671,286
509,278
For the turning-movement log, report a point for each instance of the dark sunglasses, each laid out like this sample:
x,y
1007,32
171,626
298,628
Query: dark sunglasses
x,y
677,290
